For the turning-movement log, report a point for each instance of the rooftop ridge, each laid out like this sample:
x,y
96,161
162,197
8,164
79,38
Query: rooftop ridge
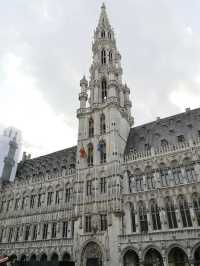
x,y
167,117
52,153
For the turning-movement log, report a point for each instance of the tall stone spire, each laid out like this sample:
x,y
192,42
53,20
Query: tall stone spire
x,y
103,20
9,160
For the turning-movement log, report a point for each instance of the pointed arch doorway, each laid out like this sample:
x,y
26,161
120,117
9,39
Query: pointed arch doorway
x,y
92,255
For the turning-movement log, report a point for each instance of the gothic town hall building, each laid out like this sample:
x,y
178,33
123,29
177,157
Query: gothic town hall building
x,y
123,196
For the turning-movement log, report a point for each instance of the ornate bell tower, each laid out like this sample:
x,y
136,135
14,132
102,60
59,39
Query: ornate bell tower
x,y
104,124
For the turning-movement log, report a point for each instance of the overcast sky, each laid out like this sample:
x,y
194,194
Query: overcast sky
x,y
45,48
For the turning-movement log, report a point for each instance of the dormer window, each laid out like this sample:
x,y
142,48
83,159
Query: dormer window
x,y
181,138
103,34
103,57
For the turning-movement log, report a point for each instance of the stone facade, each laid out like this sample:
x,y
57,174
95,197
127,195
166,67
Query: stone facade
x,y
122,196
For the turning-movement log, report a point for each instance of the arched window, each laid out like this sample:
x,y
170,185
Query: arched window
x,y
103,185
43,257
130,258
190,173
90,154
33,257
104,90
67,193
177,257
185,212
139,183
103,57
66,257
164,177
171,213
143,217
155,216
110,56
102,147
91,127
196,207
177,175
153,257
150,181
109,35
103,34
130,181
133,223
54,257
102,124
89,187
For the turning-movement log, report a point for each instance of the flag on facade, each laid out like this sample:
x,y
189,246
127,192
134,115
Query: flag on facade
x,y
82,152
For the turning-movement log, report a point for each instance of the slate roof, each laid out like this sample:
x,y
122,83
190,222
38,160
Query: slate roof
x,y
52,163
164,131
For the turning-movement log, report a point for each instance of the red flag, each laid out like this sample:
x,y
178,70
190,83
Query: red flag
x,y
82,152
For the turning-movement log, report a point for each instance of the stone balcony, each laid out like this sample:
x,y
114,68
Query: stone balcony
x,y
38,244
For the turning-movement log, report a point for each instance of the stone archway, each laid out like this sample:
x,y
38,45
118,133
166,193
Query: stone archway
x,y
33,258
66,257
23,258
92,255
130,258
54,257
13,259
177,257
43,257
153,258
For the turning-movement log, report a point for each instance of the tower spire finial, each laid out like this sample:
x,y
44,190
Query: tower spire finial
x,y
103,20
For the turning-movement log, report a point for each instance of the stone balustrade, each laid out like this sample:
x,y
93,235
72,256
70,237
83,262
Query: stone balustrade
x,y
166,149
155,236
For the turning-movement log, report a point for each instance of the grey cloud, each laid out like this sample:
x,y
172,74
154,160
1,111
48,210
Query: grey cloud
x,y
54,39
